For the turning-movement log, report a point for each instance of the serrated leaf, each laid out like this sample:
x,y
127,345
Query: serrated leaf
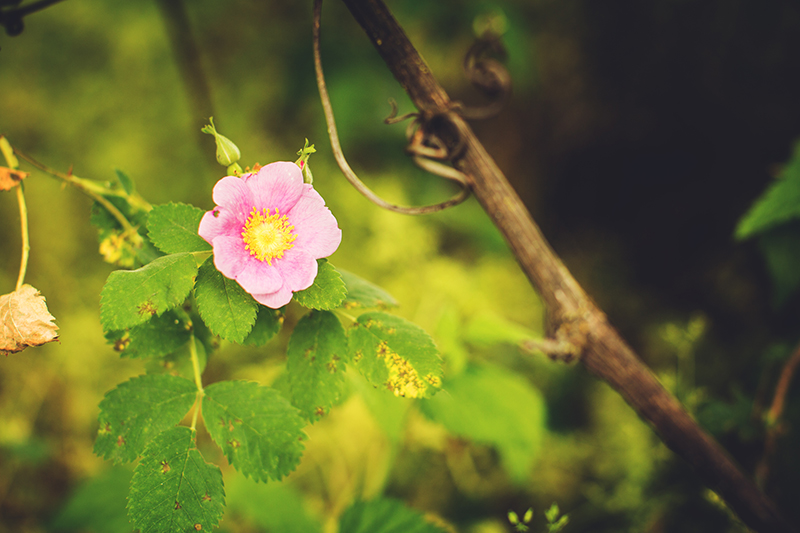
x,y
396,355
268,324
315,362
328,290
257,428
173,489
125,181
385,515
363,294
780,202
159,336
225,307
132,297
137,410
490,405
173,228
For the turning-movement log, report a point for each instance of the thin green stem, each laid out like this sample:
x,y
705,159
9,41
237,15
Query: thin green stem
x,y
26,245
197,380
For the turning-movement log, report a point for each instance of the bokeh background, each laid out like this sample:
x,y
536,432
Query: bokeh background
x,y
637,134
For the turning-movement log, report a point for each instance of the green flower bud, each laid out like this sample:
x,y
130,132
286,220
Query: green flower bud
x,y
227,152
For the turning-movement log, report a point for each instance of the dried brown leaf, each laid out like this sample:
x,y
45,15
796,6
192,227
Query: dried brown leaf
x,y
24,320
10,178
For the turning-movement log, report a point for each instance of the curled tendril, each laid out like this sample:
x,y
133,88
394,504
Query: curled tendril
x,y
424,144
488,75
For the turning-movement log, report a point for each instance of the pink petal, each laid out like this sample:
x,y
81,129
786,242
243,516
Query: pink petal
x,y
297,268
230,257
316,228
275,299
232,194
259,277
224,223
276,186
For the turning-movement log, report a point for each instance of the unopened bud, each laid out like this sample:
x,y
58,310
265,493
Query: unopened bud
x,y
302,161
227,152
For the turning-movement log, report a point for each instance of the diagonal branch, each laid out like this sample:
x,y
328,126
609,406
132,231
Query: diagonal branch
x,y
572,315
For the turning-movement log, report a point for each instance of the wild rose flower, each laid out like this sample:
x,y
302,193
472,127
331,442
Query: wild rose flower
x,y
267,230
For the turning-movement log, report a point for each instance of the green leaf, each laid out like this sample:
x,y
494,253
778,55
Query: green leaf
x,y
97,505
179,362
119,247
173,228
315,362
226,308
385,515
271,507
257,428
395,354
781,250
362,293
328,290
159,336
132,297
139,409
490,405
125,181
173,489
780,203
268,323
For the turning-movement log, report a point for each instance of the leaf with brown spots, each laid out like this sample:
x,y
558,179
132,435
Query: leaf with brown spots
x,y
25,321
138,410
188,497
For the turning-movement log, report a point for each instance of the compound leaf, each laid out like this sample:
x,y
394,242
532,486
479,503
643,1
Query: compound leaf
x,y
257,428
315,363
385,515
173,228
395,354
328,290
226,308
173,488
132,297
137,410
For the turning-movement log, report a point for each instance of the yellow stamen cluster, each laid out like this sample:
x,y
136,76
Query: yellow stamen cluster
x,y
267,235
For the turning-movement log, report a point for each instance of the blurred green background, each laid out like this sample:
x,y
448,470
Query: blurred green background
x,y
637,133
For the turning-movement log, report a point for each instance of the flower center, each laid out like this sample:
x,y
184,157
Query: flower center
x,y
267,236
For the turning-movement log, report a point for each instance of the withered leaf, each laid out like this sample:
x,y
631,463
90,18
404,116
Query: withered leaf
x,y
24,320
10,178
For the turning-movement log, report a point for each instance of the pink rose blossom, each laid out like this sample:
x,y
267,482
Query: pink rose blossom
x,y
268,230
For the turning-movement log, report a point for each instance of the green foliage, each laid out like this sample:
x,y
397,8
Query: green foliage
x,y
395,354
97,505
173,488
259,431
173,227
384,515
137,410
490,405
125,181
362,293
270,506
781,250
316,359
555,522
226,308
328,290
268,323
159,336
779,204
132,297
